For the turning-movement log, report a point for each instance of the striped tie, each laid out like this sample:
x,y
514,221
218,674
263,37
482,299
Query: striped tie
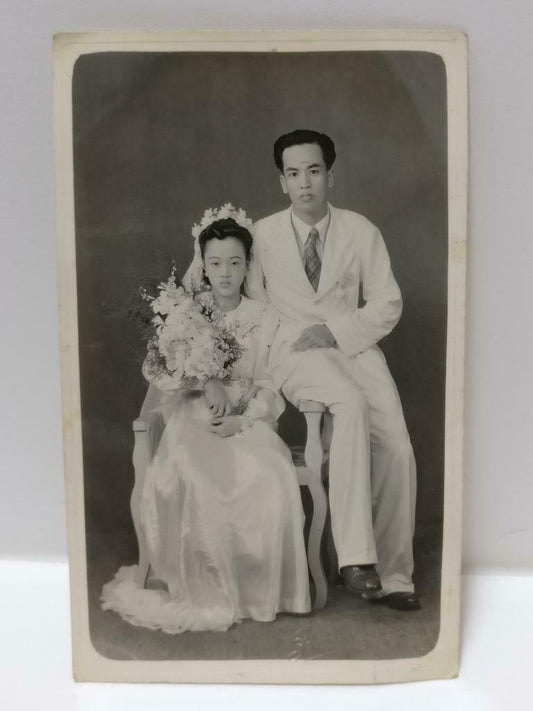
x,y
312,263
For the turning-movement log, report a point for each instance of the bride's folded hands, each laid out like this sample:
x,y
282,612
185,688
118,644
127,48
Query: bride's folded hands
x,y
217,398
226,426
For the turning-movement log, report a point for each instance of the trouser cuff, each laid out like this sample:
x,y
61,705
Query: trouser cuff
x,y
367,557
392,585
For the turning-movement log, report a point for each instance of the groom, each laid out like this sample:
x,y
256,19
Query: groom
x,y
312,259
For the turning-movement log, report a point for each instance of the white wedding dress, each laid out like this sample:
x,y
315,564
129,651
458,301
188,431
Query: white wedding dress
x,y
222,517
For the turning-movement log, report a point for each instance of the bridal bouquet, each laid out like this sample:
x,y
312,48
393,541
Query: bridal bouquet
x,y
189,339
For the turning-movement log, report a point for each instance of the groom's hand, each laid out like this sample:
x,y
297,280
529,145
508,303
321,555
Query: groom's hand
x,y
317,336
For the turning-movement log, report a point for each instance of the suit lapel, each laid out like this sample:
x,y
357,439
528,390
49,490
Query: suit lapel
x,y
336,253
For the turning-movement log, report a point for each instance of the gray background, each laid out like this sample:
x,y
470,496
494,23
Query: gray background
x,y
498,482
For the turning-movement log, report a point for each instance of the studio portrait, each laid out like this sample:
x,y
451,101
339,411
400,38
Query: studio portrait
x,y
261,246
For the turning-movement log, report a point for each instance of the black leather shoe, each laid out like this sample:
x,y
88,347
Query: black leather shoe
x,y
361,579
402,601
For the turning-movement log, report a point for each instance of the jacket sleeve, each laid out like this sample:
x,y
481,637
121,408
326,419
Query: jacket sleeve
x,y
357,330
266,404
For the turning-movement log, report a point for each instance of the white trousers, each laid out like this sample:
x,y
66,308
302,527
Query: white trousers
x,y
372,471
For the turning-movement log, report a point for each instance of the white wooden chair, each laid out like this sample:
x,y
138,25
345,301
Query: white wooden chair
x,y
309,462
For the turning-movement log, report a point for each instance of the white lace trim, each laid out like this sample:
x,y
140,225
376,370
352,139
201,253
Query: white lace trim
x,y
247,316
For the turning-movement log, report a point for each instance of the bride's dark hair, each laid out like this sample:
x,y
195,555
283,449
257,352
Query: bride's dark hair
x,y
222,229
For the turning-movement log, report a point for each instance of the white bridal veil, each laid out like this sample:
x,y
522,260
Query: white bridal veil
x,y
193,279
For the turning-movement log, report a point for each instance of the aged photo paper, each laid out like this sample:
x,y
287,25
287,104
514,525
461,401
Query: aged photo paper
x,y
344,156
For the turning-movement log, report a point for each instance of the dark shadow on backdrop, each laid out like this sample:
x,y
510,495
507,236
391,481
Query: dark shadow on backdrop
x,y
158,137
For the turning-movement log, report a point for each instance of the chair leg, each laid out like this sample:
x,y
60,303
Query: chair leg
x,y
143,565
314,456
143,570
142,453
329,554
320,507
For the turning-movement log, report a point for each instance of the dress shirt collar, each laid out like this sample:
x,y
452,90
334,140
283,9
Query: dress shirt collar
x,y
302,228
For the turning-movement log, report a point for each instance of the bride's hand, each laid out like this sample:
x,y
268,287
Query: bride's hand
x,y
226,426
217,398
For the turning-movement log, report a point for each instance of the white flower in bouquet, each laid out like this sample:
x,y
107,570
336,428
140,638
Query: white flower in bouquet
x,y
170,295
175,354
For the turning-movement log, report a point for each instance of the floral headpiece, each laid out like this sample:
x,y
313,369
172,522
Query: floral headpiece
x,y
222,213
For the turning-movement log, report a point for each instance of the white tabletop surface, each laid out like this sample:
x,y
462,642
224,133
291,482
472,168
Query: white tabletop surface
x,y
35,662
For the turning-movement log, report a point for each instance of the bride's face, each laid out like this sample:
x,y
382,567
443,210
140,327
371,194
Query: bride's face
x,y
225,265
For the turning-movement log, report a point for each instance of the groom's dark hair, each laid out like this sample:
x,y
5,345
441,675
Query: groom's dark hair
x,y
300,136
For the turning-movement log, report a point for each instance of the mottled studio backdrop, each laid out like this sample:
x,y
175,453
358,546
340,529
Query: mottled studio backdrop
x,y
159,137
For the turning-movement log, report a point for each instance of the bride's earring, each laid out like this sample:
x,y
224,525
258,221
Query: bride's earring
x,y
205,279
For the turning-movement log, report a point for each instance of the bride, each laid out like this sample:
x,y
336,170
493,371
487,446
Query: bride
x,y
221,508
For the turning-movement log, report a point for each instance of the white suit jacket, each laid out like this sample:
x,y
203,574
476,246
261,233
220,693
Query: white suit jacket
x,y
355,257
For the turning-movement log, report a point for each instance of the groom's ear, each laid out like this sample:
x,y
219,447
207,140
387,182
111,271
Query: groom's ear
x,y
331,178
283,183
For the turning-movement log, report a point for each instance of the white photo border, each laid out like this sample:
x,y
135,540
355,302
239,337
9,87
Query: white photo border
x,y
443,660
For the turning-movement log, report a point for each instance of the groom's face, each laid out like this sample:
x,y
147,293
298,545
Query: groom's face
x,y
305,178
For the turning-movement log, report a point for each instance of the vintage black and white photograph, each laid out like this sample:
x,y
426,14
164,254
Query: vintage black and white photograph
x,y
261,249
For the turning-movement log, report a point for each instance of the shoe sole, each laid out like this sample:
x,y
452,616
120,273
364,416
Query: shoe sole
x,y
361,591
398,605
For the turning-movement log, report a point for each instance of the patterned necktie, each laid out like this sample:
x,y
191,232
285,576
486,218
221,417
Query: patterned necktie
x,y
312,263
